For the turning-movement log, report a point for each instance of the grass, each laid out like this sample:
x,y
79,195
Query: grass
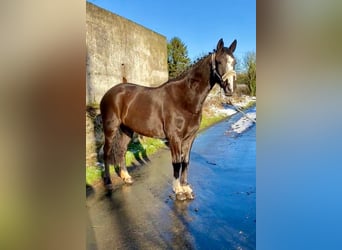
x,y
138,150
141,149
93,174
208,121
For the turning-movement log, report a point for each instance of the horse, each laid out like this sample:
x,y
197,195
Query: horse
x,y
171,111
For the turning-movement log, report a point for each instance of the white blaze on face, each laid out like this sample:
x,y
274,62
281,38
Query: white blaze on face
x,y
230,73
230,62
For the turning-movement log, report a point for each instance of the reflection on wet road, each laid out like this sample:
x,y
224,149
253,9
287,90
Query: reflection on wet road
x,y
146,216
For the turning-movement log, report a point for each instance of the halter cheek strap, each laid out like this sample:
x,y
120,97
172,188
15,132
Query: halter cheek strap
x,y
213,67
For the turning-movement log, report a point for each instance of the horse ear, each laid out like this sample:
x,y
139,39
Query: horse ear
x,y
220,45
232,47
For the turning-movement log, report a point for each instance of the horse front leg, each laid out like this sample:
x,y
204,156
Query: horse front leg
x,y
177,187
184,182
185,166
175,146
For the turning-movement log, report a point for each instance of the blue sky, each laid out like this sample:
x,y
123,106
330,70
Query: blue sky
x,y
199,24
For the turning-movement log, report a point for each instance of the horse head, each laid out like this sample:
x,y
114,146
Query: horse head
x,y
223,64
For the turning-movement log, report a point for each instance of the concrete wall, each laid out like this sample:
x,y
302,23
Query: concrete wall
x,y
120,50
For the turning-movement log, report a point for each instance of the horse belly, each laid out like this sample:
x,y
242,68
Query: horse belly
x,y
145,119
150,128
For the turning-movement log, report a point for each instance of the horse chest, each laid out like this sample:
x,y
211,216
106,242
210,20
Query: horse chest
x,y
183,125
193,124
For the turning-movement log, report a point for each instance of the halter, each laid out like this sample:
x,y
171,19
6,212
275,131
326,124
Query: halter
x,y
226,75
213,67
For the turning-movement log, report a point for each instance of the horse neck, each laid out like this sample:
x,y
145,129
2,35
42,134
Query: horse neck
x,y
197,86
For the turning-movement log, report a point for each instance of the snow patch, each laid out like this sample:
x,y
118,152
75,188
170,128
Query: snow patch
x,y
243,123
223,111
228,111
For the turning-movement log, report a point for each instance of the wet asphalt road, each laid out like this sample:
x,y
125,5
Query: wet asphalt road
x,y
146,215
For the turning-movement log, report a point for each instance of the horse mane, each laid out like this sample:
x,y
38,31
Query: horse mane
x,y
192,66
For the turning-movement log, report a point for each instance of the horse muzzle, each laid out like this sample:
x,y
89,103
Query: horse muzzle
x,y
228,82
227,90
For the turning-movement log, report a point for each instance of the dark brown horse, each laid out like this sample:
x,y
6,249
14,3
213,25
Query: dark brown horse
x,y
171,111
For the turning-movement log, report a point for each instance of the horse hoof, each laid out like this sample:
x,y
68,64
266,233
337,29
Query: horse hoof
x,y
181,196
128,180
190,196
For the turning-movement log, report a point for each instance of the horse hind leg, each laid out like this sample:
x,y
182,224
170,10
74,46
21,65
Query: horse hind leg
x,y
121,142
110,131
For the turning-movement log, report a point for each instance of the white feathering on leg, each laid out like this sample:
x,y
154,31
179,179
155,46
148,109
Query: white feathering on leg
x,y
187,189
177,188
